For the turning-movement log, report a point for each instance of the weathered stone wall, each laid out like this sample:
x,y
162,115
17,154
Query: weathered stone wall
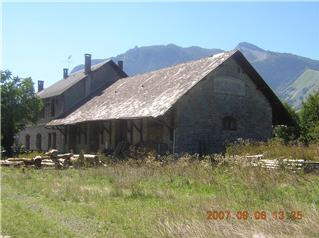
x,y
74,95
227,92
33,131
102,78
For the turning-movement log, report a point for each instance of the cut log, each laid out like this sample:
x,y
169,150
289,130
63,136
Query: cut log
x,y
64,156
11,163
254,156
88,159
26,161
47,160
41,157
66,162
17,159
49,164
86,156
52,152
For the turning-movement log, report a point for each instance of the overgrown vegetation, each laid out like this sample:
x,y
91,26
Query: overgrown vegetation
x,y
157,198
305,128
275,149
168,197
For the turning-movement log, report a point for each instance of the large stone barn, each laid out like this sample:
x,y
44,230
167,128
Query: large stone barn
x,y
193,107
62,97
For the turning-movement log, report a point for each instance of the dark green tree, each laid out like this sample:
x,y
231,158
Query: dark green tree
x,y
292,132
19,106
309,116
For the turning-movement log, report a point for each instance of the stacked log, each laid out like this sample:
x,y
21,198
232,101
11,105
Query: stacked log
x,y
11,163
307,166
53,159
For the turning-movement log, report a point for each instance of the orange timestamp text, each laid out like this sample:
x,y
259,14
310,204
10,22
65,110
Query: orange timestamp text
x,y
256,215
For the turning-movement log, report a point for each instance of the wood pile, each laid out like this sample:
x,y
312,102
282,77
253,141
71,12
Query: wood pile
x,y
258,160
55,160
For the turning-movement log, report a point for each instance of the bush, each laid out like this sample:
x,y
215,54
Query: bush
x,y
305,127
309,116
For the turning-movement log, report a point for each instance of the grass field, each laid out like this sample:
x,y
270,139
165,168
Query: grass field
x,y
158,199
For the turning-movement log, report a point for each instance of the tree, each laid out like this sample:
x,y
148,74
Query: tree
x,y
289,133
309,116
19,106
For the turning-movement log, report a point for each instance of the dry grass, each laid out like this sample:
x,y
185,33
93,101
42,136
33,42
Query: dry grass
x,y
275,149
157,198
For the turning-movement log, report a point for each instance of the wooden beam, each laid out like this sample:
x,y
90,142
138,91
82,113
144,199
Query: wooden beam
x,y
106,129
110,130
162,122
61,130
131,132
101,126
141,131
136,127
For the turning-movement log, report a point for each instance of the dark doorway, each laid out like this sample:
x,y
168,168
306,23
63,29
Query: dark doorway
x,y
120,131
54,140
39,142
94,137
27,142
72,138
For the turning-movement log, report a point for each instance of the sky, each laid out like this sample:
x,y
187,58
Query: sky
x,y
38,38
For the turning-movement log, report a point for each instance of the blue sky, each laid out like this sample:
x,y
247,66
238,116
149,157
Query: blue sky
x,y
39,37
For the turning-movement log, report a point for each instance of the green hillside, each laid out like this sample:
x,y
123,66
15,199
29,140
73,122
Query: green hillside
x,y
299,90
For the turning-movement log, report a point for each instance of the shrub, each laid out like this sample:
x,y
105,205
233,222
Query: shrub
x,y
309,115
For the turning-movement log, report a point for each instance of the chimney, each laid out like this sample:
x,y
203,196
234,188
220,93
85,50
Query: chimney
x,y
40,85
87,65
65,73
120,64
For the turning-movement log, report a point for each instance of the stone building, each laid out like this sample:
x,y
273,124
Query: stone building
x,y
193,107
65,95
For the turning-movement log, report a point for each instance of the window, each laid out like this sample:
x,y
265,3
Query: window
x,y
39,142
49,141
229,123
54,140
52,108
27,142
65,137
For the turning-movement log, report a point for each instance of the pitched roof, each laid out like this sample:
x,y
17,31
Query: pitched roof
x,y
151,94
64,84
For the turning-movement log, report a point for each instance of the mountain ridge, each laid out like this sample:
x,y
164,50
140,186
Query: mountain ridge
x,y
279,70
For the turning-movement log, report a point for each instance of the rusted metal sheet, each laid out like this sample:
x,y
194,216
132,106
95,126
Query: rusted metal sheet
x,y
146,95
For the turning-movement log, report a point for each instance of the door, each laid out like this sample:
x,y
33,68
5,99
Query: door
x,y
120,131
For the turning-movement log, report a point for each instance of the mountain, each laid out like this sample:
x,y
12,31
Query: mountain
x,y
306,84
285,73
278,69
144,59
